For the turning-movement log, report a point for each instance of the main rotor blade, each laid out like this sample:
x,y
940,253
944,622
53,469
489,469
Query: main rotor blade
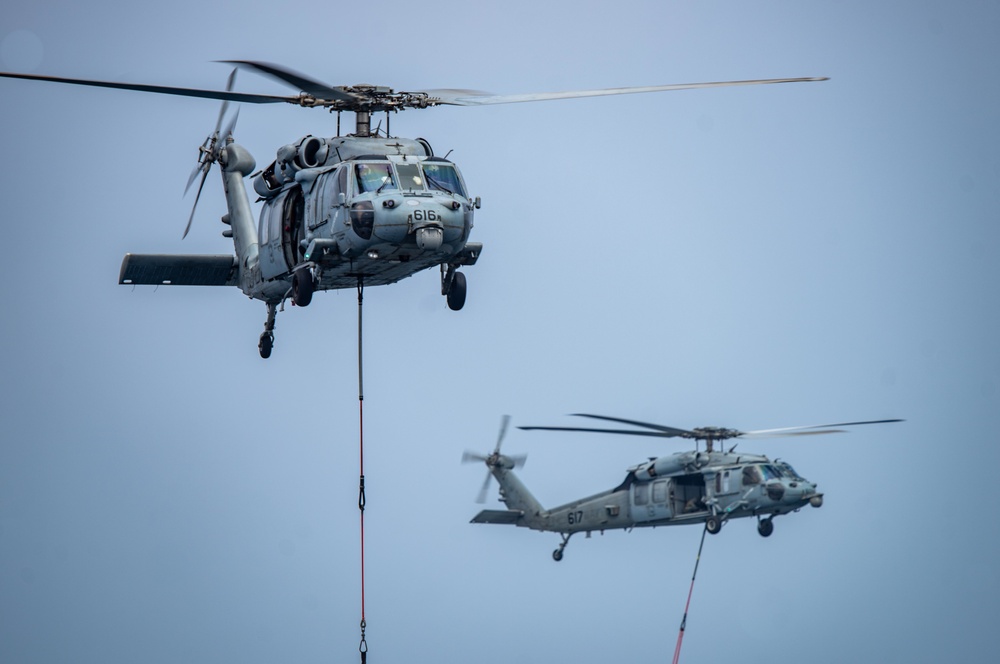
x,y
160,89
464,98
808,430
295,79
673,431
627,432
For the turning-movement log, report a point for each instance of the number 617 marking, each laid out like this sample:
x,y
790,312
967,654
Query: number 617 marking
x,y
575,517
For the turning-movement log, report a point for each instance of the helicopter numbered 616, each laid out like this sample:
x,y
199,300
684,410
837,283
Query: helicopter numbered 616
x,y
706,488
359,210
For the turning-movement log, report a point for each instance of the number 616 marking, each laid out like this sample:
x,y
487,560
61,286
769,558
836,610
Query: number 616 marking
x,y
424,215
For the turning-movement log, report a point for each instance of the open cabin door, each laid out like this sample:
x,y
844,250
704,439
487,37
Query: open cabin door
x,y
688,494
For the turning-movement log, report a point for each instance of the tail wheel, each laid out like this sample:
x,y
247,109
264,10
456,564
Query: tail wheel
x,y
302,287
456,292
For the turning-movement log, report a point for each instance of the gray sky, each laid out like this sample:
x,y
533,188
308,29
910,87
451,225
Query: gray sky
x,y
784,255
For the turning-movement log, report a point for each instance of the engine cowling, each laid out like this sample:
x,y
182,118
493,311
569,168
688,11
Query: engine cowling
x,y
310,152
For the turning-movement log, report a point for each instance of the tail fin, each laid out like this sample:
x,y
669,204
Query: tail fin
x,y
516,496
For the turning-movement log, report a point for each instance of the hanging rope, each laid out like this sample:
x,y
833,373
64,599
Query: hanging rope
x,y
680,637
363,646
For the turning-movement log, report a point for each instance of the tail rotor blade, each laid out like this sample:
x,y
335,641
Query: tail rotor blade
x,y
228,131
194,207
472,457
194,174
504,423
225,104
481,498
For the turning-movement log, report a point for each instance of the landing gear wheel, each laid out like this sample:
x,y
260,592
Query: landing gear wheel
x,y
456,292
765,527
302,287
265,344
267,336
557,555
713,524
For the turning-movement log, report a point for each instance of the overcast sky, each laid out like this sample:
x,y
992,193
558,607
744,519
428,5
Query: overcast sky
x,y
746,257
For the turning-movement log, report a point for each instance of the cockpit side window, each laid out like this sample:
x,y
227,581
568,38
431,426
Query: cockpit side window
x,y
751,475
374,177
443,177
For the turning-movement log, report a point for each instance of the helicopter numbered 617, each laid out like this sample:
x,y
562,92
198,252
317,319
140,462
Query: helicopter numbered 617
x,y
706,488
359,210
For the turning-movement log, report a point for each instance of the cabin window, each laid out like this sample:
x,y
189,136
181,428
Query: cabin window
x,y
640,493
374,177
410,178
660,491
443,177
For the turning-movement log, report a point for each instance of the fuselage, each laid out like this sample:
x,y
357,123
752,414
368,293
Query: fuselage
x,y
678,489
360,207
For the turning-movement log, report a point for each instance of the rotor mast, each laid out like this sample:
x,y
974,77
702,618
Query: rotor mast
x,y
362,123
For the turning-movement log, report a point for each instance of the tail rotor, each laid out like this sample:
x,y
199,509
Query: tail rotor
x,y
494,459
209,150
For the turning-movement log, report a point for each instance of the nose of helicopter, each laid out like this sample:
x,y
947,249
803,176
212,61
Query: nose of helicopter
x,y
797,491
429,221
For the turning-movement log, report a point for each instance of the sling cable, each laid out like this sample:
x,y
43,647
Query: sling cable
x,y
363,646
680,636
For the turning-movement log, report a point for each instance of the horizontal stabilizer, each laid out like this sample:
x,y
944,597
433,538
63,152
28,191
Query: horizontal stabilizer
x,y
498,516
179,270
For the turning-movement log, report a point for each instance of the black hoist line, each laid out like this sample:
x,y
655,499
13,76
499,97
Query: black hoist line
x,y
363,646
680,636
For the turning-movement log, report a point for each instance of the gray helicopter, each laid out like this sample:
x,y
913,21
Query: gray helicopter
x,y
706,488
364,209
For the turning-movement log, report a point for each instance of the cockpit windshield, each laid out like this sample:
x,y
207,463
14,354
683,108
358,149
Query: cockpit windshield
x,y
410,178
443,177
770,473
374,177
788,470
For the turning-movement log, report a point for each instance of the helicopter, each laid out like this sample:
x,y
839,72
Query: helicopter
x,y
363,209
696,487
